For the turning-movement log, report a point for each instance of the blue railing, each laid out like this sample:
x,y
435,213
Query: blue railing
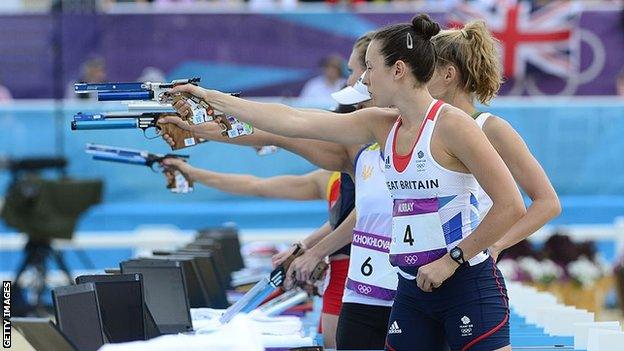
x,y
578,141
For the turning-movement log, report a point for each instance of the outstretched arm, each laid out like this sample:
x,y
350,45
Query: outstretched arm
x,y
326,155
352,128
531,177
212,132
310,186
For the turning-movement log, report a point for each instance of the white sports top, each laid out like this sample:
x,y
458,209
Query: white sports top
x,y
485,203
371,280
434,208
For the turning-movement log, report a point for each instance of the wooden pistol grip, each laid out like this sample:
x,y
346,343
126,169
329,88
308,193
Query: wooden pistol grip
x,y
171,179
203,104
286,264
311,285
224,123
220,119
319,270
182,138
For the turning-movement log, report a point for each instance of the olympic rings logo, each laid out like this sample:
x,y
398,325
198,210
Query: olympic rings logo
x,y
364,289
411,259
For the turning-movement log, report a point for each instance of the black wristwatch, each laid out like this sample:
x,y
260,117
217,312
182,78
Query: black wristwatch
x,y
457,255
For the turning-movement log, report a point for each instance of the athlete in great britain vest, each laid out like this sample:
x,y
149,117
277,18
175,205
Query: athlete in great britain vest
x,y
434,208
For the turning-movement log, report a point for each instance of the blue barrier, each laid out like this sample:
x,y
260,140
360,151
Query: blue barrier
x,y
577,141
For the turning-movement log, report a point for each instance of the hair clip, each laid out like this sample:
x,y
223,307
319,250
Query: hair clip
x,y
410,41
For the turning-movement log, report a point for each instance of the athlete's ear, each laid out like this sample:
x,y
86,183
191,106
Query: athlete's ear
x,y
450,74
399,69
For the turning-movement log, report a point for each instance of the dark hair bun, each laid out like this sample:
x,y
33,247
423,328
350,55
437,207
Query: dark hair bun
x,y
424,26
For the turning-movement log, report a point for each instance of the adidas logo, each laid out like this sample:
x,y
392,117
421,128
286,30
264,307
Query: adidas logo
x,y
394,328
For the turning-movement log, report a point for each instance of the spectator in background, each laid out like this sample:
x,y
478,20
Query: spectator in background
x,y
330,81
620,83
92,71
152,74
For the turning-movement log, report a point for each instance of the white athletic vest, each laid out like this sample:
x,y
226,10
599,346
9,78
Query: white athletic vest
x,y
371,280
434,208
485,203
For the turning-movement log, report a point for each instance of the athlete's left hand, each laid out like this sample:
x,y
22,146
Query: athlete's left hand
x,y
494,252
302,267
432,275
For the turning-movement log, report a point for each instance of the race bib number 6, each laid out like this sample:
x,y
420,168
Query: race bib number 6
x,y
370,272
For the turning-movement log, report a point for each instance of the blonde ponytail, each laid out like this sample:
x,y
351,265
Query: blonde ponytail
x,y
472,49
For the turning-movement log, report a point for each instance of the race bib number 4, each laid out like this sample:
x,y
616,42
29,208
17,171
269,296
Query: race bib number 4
x,y
417,235
370,272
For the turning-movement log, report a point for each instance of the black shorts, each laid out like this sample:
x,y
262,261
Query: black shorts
x,y
362,327
469,310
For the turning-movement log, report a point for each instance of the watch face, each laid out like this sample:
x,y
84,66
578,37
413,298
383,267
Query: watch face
x,y
455,253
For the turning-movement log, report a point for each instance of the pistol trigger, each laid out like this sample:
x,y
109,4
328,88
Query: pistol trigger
x,y
157,134
154,168
164,97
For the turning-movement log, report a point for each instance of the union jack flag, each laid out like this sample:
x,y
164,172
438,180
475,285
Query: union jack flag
x,y
542,36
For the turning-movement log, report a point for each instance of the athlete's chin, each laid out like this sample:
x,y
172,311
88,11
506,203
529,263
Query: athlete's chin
x,y
372,102
379,102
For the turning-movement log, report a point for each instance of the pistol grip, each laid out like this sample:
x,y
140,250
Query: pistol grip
x,y
224,123
171,180
182,138
286,264
220,119
192,104
319,270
